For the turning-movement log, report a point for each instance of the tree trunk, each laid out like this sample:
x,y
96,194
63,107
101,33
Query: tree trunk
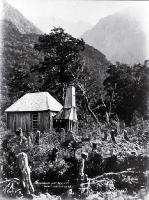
x,y
87,103
90,111
88,107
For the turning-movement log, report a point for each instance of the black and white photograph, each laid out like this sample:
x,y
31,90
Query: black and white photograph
x,y
74,100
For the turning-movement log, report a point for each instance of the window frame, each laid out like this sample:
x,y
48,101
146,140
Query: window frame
x,y
35,121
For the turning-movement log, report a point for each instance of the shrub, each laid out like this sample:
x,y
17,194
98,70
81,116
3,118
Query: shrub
x,y
37,156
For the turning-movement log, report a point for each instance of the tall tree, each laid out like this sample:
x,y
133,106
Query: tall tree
x,y
62,65
127,90
61,56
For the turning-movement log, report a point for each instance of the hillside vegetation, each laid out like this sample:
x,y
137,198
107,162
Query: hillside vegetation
x,y
19,56
22,24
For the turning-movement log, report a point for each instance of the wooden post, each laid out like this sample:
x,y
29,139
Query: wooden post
x,y
83,158
83,178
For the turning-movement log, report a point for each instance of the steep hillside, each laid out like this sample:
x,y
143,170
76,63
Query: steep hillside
x,y
19,55
120,37
96,62
13,15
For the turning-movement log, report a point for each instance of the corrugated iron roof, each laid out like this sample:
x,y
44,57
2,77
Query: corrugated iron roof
x,y
38,101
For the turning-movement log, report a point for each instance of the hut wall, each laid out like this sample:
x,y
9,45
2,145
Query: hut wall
x,y
19,119
44,121
24,120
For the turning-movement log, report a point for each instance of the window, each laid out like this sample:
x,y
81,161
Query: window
x,y
35,120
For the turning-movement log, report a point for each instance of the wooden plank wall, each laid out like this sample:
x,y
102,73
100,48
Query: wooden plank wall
x,y
24,120
44,120
17,120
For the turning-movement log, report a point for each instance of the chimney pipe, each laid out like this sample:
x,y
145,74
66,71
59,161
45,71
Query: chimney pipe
x,y
70,99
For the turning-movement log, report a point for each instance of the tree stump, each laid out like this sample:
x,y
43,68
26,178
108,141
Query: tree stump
x,y
27,186
37,138
126,135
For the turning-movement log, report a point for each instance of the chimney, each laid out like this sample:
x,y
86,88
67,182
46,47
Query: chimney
x,y
146,63
70,99
69,113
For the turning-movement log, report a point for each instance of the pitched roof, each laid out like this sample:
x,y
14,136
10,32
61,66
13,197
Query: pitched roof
x,y
38,101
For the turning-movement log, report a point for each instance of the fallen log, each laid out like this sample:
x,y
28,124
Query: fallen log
x,y
115,173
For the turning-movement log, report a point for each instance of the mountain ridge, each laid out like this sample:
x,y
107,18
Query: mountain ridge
x,y
120,37
19,55
23,25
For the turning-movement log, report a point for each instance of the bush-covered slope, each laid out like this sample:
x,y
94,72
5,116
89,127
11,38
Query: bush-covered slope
x,y
13,15
19,55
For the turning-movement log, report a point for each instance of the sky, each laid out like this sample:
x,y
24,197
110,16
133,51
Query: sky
x,y
73,10
43,12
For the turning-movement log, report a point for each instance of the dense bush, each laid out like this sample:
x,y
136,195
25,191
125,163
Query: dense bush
x,y
106,159
41,168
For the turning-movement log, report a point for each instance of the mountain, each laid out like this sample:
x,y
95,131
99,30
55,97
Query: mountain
x,y
120,37
19,55
22,24
76,29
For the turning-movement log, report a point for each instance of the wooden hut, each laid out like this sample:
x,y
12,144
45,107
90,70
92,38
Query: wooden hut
x,y
33,111
67,117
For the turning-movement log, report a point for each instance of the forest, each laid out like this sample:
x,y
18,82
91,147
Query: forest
x,y
112,109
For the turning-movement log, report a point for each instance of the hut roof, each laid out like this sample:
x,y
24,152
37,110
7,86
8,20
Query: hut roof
x,y
39,101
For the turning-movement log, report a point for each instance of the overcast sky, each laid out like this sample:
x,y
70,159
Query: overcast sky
x,y
73,10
